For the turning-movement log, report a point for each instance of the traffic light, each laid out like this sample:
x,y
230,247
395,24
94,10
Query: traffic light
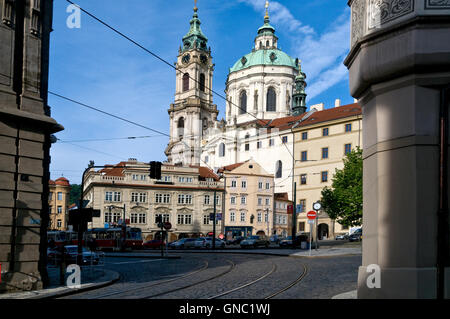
x,y
155,170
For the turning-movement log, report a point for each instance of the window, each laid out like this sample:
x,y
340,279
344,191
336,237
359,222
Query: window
x,y
143,177
108,217
206,201
324,176
217,199
134,218
205,219
165,217
202,82
233,200
259,201
242,216
304,135
134,197
247,147
325,153
278,169
243,200
258,144
181,179
267,201
108,196
304,156
117,196
259,217
267,185
303,205
185,82
244,184
59,223
348,149
284,139
271,100
135,177
301,226
142,197
260,185
325,132
303,179
232,216
59,209
221,150
116,217
243,102
233,183
184,219
271,142
180,127
184,199
60,196
266,217
348,127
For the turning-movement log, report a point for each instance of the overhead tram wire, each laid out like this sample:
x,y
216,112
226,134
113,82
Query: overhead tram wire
x,y
165,62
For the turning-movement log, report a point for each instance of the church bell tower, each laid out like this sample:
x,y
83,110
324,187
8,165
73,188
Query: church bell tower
x,y
193,111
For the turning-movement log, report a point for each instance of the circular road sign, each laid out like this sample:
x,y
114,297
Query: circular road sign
x,y
167,225
311,214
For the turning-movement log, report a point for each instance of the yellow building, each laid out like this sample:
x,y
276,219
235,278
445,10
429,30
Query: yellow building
x,y
184,197
58,202
321,142
248,200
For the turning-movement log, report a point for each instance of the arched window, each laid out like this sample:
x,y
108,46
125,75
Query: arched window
x,y
243,103
278,169
221,150
185,82
180,127
267,43
271,100
202,82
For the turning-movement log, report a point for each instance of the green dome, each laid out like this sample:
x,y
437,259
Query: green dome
x,y
265,57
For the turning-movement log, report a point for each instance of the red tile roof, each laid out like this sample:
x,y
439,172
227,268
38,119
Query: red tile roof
x,y
205,172
230,167
114,170
62,181
285,123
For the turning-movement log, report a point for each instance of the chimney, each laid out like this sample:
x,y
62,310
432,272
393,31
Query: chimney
x,y
318,107
337,103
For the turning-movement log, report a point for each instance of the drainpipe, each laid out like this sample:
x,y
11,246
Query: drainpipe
x,y
443,221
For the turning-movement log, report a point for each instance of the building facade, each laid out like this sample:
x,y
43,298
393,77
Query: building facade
x,y
321,143
283,215
248,200
58,201
25,128
184,197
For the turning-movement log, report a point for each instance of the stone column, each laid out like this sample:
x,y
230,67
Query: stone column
x,y
399,62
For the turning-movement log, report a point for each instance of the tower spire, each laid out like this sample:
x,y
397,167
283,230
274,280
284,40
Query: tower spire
x,y
266,17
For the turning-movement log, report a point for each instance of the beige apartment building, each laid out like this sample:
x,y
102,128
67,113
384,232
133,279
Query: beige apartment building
x,y
321,142
184,197
249,200
283,216
58,203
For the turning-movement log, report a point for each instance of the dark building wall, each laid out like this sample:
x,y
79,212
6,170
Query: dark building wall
x,y
25,128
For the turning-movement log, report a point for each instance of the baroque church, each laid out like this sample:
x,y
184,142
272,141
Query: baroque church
x,y
265,93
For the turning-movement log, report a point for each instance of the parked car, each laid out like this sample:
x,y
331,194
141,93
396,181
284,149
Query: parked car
x,y
286,242
235,240
255,241
70,255
342,237
275,239
152,244
356,236
189,243
178,244
206,242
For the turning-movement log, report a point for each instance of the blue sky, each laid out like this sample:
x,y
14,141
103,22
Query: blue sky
x,y
95,66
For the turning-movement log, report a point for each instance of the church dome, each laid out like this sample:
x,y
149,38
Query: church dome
x,y
270,57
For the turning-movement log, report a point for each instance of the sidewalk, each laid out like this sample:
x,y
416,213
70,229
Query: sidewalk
x,y
90,279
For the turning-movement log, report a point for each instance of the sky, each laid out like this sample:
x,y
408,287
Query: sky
x,y
93,65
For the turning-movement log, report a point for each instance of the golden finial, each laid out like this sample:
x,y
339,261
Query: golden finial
x,y
195,6
267,10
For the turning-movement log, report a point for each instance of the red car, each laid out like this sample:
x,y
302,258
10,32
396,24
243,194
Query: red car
x,y
152,244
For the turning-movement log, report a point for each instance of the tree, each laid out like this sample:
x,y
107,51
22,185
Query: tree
x,y
75,192
343,201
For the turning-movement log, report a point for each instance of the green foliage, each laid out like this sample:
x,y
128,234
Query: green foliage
x,y
343,201
75,193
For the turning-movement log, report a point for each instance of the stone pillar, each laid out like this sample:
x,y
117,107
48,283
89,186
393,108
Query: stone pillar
x,y
399,62
25,128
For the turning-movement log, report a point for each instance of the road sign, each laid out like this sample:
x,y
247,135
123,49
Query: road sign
x,y
299,208
290,208
311,214
167,225
311,221
219,216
